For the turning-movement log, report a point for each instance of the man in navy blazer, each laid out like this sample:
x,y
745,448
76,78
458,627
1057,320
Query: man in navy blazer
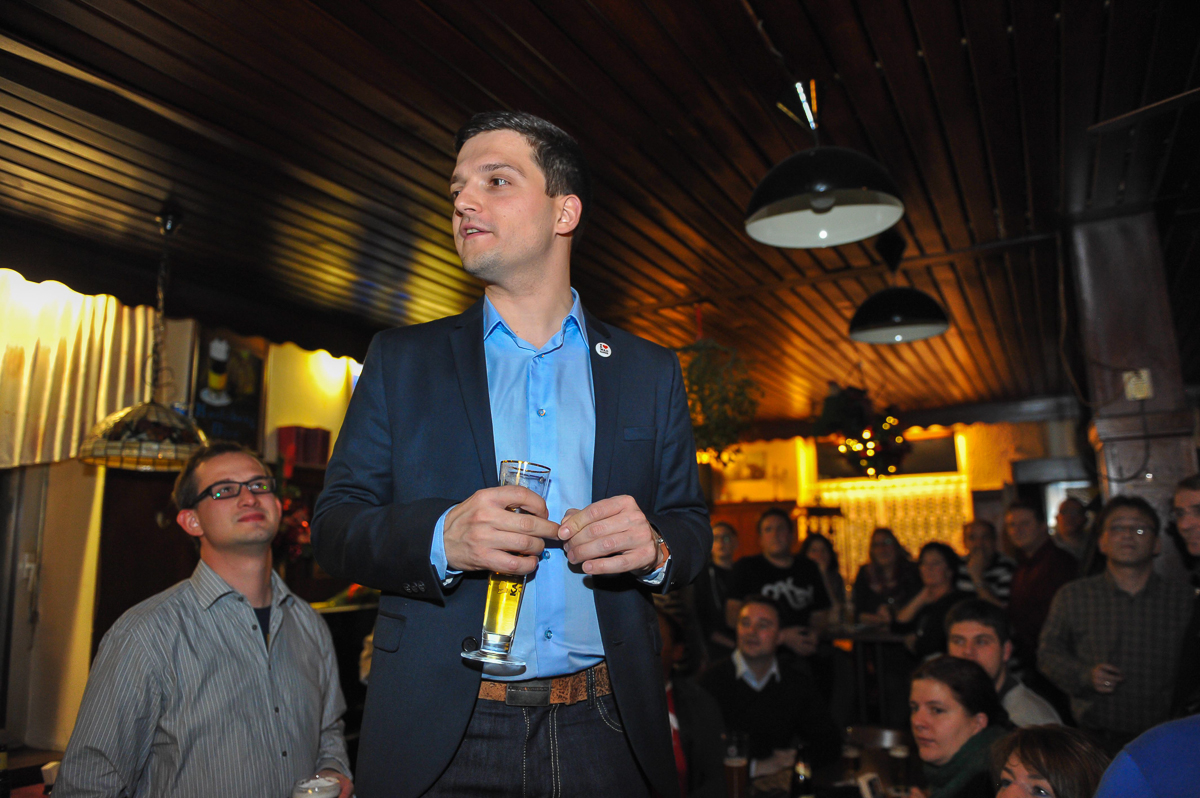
x,y
411,506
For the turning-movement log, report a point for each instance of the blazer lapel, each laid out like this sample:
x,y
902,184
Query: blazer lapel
x,y
466,340
606,382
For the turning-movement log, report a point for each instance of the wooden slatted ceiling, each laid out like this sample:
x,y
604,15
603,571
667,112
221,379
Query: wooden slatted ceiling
x,y
310,142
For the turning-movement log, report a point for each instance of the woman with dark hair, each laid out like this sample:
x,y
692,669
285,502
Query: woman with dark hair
x,y
1048,761
923,618
955,717
887,581
819,549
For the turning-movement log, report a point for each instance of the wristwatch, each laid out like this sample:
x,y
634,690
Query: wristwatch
x,y
664,551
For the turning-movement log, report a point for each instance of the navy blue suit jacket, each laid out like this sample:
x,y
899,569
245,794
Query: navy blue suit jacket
x,y
416,440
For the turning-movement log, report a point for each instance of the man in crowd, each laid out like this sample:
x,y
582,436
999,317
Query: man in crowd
x,y
1070,528
795,583
696,724
978,630
1111,641
226,683
988,573
712,590
412,506
1185,510
774,702
1042,568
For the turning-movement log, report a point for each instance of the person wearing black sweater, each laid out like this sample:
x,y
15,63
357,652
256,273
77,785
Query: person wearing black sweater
x,y
775,703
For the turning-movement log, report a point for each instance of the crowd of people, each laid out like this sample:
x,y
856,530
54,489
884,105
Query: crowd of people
x,y
1023,674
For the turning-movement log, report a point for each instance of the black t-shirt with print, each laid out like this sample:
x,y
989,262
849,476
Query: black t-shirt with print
x,y
799,589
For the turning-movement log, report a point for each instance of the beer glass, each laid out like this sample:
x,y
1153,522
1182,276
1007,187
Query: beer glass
x,y
504,591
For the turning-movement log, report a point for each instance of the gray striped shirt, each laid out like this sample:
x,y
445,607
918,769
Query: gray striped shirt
x,y
185,701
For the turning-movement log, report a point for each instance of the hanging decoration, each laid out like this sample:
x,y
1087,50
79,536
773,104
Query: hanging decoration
x,y
722,397
872,443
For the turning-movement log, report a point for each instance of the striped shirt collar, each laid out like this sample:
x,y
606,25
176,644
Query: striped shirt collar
x,y
742,671
208,587
492,319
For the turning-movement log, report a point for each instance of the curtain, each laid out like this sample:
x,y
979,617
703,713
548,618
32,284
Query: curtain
x,y
68,361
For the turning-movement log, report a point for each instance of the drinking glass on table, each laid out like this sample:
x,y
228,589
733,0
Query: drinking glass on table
x,y
504,591
737,764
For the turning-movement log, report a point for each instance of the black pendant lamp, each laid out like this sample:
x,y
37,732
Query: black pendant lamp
x,y
822,197
897,315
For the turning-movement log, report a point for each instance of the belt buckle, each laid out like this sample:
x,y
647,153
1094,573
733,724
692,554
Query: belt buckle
x,y
532,693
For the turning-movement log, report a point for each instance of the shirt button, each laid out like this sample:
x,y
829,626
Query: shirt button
x,y
254,627
285,753
276,710
549,634
545,555
541,411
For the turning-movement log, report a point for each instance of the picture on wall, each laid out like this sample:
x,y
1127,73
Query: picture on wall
x,y
228,396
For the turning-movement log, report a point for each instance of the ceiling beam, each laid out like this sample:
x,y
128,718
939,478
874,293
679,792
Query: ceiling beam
x,y
852,273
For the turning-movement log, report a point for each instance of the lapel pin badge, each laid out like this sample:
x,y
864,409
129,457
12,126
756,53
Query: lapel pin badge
x,y
603,349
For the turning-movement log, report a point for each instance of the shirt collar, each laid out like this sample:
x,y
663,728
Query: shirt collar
x,y
209,587
742,671
492,319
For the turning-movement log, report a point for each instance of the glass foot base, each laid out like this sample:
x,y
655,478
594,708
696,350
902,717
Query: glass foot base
x,y
495,659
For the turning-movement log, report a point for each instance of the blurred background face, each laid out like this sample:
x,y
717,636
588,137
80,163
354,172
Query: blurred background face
x,y
757,631
1187,519
724,543
1024,530
940,724
883,551
1017,781
935,571
980,644
1128,539
978,537
819,552
1070,518
775,536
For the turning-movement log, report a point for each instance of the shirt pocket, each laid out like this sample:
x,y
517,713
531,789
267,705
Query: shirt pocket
x,y
639,433
388,631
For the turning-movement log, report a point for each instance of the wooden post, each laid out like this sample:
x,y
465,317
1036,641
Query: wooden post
x,y
1143,446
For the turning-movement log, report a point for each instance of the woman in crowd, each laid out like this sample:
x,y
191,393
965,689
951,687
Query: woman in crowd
x,y
1047,761
886,582
956,717
923,618
819,549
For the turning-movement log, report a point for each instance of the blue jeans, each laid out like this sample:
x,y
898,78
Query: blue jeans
x,y
558,751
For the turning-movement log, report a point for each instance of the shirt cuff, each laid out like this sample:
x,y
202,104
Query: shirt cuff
x,y
437,550
656,577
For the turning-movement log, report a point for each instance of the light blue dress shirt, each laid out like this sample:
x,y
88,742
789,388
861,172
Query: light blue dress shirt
x,y
544,411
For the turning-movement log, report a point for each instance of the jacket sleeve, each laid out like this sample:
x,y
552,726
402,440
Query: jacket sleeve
x,y
680,513
358,531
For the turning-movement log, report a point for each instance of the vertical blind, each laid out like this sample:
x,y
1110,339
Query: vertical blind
x,y
68,361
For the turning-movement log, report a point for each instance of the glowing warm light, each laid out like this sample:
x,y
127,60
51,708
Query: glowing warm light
x,y
871,471
704,458
866,434
899,439
892,469
862,462
886,425
842,448
871,445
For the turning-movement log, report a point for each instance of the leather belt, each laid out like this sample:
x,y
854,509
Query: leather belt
x,y
543,692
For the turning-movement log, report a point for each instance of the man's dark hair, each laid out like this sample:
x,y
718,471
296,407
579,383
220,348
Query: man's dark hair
x,y
184,494
554,151
953,561
968,682
725,525
766,601
981,612
987,525
1132,503
1067,758
817,539
1020,504
1189,483
772,511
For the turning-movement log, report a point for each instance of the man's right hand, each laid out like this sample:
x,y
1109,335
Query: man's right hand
x,y
482,534
1105,678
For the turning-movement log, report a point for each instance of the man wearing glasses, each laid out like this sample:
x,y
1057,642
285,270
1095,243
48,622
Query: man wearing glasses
x,y
226,683
1112,640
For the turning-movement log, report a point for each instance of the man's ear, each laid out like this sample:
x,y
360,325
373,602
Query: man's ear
x,y
190,523
570,212
1006,652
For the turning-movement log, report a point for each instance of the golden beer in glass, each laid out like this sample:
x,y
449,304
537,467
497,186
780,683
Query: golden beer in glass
x,y
504,591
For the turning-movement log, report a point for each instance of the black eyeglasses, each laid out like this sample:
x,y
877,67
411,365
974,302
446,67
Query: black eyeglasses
x,y
230,489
